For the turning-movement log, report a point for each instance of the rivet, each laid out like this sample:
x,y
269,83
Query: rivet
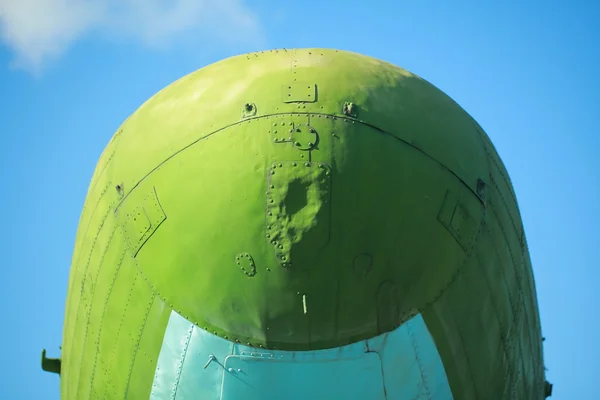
x,y
297,144
294,164
274,123
272,186
275,131
310,144
306,164
280,165
230,370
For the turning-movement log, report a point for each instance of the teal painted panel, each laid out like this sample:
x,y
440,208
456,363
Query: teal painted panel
x,y
172,357
411,363
352,376
401,364
202,375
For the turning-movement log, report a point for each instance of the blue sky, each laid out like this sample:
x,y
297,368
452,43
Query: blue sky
x,y
70,74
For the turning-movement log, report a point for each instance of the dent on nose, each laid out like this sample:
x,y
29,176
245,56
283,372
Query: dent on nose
x,y
344,236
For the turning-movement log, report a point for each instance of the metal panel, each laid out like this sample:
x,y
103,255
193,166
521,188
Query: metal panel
x,y
300,92
298,194
401,364
455,217
142,222
249,378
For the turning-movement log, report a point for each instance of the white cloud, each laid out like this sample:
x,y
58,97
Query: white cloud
x,y
41,30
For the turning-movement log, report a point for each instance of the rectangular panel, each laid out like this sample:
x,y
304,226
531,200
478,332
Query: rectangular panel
x,y
140,221
250,378
299,92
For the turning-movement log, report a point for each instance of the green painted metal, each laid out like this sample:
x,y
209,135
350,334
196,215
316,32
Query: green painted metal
x,y
301,200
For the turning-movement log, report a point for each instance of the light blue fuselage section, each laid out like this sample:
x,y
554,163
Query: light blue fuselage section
x,y
401,364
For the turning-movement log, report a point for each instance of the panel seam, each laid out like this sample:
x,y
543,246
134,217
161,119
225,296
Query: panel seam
x,y
266,116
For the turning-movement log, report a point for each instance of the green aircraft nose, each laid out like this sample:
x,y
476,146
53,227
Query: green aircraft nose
x,y
300,207
301,200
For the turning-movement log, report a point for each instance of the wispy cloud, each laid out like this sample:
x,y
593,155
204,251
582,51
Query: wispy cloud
x,y
41,30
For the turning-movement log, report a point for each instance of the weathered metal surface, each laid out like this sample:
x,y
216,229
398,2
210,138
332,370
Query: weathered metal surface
x,y
390,202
